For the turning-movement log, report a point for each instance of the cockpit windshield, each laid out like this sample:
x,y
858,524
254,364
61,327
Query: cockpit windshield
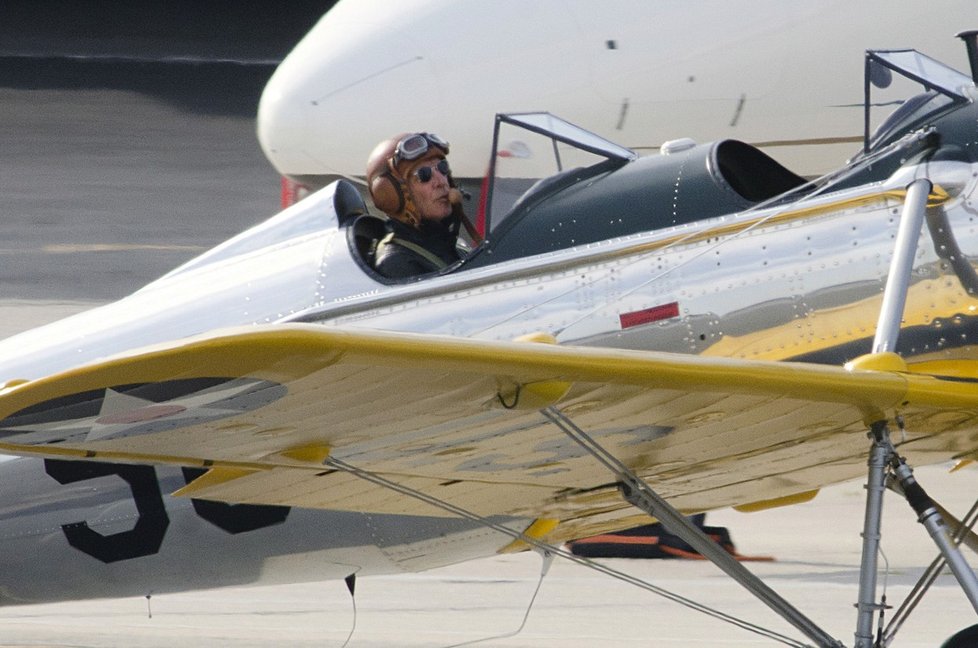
x,y
943,89
532,151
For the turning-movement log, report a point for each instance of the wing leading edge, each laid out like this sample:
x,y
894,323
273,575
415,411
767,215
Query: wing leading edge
x,y
460,420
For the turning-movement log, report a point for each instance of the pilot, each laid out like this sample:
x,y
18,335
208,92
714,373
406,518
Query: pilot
x,y
409,180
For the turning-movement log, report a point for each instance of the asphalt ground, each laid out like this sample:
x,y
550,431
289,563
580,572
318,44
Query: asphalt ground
x,y
102,191
816,547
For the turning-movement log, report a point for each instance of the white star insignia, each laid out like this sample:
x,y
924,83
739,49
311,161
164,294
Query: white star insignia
x,y
123,414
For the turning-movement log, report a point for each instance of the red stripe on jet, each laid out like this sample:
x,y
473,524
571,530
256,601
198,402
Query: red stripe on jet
x,y
649,315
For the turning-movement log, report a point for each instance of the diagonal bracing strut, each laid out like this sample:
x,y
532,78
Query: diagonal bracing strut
x,y
638,493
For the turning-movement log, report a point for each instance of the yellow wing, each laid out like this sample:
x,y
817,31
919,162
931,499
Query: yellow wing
x,y
460,420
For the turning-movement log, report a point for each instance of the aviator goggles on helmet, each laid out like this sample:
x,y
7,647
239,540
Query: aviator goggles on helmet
x,y
426,173
414,146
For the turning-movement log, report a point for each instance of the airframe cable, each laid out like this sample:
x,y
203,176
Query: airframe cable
x,y
548,559
883,606
563,553
351,585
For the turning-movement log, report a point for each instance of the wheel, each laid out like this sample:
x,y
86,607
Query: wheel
x,y
967,638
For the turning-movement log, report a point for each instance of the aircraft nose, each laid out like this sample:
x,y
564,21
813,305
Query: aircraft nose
x,y
350,83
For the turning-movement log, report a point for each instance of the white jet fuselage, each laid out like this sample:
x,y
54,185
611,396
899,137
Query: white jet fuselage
x,y
638,73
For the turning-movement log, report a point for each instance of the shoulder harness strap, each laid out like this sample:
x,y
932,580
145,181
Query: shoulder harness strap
x,y
417,249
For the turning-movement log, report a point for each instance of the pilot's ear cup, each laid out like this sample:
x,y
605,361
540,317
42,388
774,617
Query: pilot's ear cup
x,y
386,194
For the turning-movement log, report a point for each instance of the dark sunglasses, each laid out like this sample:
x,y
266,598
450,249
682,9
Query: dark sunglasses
x,y
426,173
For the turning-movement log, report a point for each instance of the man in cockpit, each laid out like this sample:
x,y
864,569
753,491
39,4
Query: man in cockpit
x,y
410,181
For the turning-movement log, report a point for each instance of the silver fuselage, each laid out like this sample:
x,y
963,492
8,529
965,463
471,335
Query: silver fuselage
x,y
784,282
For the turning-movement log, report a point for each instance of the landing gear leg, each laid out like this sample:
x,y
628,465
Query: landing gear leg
x,y
883,458
875,487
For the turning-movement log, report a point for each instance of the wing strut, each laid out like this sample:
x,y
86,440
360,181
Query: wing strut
x,y
898,280
638,493
883,455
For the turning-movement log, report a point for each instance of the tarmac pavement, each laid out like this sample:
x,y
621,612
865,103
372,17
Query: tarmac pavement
x,y
816,547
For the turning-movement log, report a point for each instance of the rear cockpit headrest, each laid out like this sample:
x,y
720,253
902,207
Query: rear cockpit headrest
x,y
347,202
